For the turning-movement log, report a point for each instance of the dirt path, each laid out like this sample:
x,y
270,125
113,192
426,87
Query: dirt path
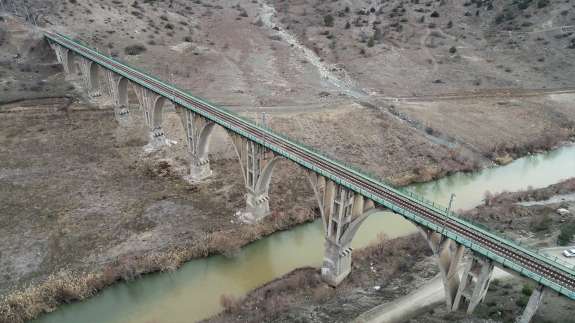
x,y
428,296
343,82
484,93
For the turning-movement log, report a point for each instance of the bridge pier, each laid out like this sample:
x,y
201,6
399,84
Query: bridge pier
x,y
533,304
448,255
474,283
64,57
117,87
152,104
257,163
342,212
198,132
89,71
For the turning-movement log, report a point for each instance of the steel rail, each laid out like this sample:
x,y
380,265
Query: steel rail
x,y
368,186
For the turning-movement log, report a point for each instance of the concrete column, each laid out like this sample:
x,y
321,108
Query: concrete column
x,y
474,283
198,132
336,262
90,77
257,164
152,104
63,56
117,89
342,211
533,304
448,255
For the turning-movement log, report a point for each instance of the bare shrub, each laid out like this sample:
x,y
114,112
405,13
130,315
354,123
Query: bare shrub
x,y
134,49
230,303
224,243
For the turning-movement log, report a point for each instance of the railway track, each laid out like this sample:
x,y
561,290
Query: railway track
x,y
480,94
513,254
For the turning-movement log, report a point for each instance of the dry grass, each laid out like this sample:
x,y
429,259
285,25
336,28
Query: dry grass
x,y
304,287
68,286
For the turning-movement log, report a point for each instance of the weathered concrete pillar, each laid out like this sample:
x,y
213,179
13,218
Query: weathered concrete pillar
x,y
64,57
342,212
90,78
533,304
198,131
474,283
257,165
117,89
152,105
448,255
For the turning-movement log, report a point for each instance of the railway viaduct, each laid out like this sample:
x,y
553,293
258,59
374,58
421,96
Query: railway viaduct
x,y
346,197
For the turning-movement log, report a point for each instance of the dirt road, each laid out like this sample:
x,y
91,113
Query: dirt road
x,y
429,296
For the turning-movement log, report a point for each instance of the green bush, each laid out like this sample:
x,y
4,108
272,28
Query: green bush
x,y
370,42
542,3
134,49
328,20
566,234
527,290
522,301
543,223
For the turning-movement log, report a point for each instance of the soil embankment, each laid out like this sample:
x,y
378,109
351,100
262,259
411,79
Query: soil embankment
x,y
394,268
84,208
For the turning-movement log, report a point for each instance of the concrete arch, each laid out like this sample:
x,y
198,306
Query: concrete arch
x,y
204,141
72,62
94,77
354,226
263,183
318,195
157,112
123,91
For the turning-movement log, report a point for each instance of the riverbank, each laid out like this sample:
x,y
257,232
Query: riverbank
x,y
85,209
376,279
381,272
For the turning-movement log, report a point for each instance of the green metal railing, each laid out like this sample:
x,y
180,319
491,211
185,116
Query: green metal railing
x,y
103,60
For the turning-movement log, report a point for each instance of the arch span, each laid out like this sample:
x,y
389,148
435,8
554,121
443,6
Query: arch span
x,y
123,92
155,117
72,62
94,77
354,226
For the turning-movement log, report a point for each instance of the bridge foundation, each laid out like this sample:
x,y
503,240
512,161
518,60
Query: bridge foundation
x,y
342,212
117,88
198,133
533,304
257,163
89,71
474,283
336,263
64,57
152,105
448,255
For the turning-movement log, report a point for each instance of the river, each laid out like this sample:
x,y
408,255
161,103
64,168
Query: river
x,y
193,292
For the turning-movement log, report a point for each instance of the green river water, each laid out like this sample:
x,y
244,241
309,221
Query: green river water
x,y
192,293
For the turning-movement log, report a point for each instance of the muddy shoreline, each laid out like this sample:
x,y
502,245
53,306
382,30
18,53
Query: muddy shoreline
x,y
75,283
295,295
65,169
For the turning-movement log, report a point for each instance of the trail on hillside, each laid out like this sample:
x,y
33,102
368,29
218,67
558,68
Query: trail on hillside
x,y
342,82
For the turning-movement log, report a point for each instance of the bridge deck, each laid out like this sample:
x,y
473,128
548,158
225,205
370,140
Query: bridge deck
x,y
503,252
